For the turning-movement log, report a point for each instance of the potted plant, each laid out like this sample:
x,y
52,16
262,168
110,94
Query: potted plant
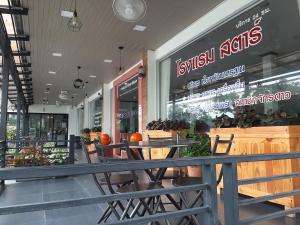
x,y
197,150
85,136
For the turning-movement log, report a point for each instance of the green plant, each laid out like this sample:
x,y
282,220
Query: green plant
x,y
11,133
201,149
85,136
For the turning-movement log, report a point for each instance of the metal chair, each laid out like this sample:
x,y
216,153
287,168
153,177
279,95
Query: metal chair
x,y
160,139
116,181
186,181
134,186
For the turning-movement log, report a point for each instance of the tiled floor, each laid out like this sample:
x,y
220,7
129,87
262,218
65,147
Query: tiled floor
x,y
83,186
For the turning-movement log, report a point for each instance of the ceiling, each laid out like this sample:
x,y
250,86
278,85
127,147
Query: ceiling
x,y
98,39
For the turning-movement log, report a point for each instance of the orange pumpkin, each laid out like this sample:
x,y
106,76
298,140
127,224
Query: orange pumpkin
x,y
105,139
136,137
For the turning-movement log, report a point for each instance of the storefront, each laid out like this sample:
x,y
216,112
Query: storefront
x,y
248,66
128,107
48,126
243,78
45,126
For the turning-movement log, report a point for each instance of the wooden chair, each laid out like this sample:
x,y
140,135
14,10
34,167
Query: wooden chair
x,y
186,181
134,186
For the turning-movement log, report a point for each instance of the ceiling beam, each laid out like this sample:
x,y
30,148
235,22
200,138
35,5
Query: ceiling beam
x,y
8,56
22,65
18,37
13,10
21,53
22,80
25,73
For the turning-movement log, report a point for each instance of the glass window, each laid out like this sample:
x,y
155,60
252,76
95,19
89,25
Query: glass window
x,y
96,112
244,73
49,126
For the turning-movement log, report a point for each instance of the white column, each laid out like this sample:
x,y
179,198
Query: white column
x,y
107,108
86,113
153,85
165,73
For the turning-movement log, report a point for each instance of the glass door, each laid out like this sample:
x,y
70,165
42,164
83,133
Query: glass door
x,y
60,128
128,107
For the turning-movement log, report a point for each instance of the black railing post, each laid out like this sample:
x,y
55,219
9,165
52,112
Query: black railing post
x,y
72,149
231,204
210,195
2,163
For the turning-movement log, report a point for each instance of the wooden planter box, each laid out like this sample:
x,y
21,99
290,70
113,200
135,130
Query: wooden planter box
x,y
266,140
158,153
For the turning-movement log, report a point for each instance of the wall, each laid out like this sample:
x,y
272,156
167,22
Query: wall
x,y
63,109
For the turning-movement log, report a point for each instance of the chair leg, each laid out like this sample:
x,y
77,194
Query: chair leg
x,y
173,201
163,209
135,210
126,209
104,215
193,217
148,203
110,209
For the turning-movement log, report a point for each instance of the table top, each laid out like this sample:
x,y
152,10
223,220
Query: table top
x,y
162,144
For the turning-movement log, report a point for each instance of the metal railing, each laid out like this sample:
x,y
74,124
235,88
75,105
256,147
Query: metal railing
x,y
208,208
2,163
35,152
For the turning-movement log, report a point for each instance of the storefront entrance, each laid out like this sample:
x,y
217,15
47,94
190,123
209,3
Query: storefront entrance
x,y
128,103
128,111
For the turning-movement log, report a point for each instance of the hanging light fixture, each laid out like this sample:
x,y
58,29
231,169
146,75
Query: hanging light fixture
x,y
75,23
129,10
120,67
85,87
78,83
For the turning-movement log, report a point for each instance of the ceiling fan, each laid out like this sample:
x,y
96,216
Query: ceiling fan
x,y
64,95
129,10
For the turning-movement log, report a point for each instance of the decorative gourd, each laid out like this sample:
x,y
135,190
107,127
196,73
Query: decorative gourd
x,y
105,139
136,137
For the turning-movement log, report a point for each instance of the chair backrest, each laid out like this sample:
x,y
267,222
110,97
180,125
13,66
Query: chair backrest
x,y
101,149
158,139
214,151
89,160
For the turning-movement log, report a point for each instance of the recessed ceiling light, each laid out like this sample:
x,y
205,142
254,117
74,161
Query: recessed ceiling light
x,y
67,14
51,72
139,28
58,54
92,76
107,60
46,92
48,84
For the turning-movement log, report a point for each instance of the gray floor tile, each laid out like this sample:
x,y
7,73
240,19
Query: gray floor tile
x,y
84,186
76,215
32,218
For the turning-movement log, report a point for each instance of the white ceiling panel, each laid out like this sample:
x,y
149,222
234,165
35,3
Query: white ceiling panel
x,y
98,40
